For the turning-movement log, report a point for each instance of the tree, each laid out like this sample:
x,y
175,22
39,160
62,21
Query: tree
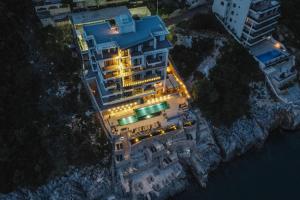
x,y
223,97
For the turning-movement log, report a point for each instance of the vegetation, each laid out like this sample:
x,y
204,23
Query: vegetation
x,y
42,132
165,7
197,23
188,59
223,96
291,18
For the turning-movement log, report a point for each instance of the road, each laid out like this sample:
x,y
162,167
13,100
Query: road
x,y
187,14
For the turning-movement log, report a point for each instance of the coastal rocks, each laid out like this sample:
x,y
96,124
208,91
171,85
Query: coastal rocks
x,y
205,157
266,115
87,183
238,139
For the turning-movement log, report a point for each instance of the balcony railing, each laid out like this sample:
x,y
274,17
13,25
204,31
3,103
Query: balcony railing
x,y
265,19
110,84
251,42
265,6
146,79
111,75
258,27
110,68
254,34
153,61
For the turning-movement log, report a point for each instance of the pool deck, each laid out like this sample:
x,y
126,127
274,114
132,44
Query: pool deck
x,y
155,122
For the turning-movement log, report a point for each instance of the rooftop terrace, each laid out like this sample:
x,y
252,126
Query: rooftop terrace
x,y
145,29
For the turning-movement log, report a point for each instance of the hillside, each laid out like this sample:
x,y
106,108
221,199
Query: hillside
x,y
45,128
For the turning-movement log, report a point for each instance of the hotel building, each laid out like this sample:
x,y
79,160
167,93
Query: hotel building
x,y
133,84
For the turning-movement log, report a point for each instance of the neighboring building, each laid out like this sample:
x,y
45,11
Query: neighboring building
x,y
195,3
52,13
252,22
141,11
79,4
133,85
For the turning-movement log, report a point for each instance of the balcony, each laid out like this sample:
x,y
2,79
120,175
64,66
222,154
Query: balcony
x,y
110,68
110,84
153,61
111,75
252,42
109,54
254,34
155,66
125,53
136,82
114,91
263,19
148,48
134,53
265,6
259,27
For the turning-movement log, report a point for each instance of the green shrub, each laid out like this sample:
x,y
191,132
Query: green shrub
x,y
188,59
223,97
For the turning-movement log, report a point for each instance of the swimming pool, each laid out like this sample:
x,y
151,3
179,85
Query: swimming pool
x,y
149,110
127,120
266,57
144,113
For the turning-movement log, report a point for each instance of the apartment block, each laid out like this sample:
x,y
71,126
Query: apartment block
x,y
79,4
250,21
52,12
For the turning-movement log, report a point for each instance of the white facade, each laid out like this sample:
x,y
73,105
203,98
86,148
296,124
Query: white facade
x,y
250,21
52,13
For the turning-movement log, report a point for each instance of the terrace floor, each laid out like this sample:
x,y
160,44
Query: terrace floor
x,y
165,118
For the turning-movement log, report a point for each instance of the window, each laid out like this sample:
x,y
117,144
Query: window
x,y
189,137
137,61
234,5
119,157
222,3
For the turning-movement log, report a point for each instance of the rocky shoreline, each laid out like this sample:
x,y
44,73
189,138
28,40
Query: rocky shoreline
x,y
214,146
246,133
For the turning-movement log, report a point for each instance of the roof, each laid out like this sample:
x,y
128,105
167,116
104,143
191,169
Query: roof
x,y
145,27
99,15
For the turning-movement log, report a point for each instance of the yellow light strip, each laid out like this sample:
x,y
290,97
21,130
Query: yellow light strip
x,y
182,85
158,99
126,107
141,82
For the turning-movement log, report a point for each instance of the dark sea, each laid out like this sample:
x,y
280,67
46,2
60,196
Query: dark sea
x,y
271,173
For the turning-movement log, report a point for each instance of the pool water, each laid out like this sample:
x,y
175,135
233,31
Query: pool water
x,y
149,110
266,57
144,113
127,120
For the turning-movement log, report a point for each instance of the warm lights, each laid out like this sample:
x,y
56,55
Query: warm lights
x,y
182,85
123,108
141,82
277,45
158,99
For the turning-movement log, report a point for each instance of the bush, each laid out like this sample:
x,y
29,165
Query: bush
x,y
188,59
223,97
